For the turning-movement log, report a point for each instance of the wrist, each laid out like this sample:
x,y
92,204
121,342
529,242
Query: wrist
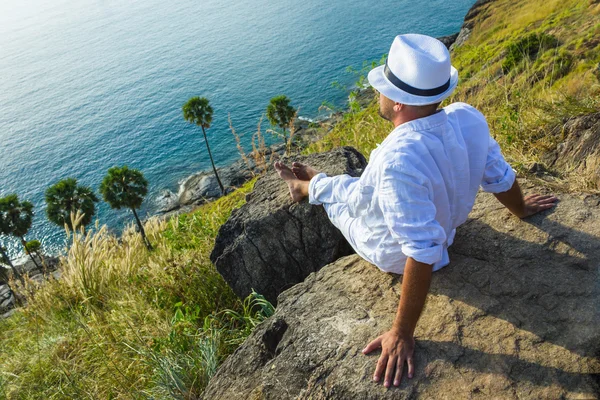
x,y
402,332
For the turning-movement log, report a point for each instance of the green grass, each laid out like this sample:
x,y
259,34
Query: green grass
x,y
127,323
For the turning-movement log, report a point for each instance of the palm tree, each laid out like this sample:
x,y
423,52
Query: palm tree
x,y
66,197
125,187
280,113
16,217
198,111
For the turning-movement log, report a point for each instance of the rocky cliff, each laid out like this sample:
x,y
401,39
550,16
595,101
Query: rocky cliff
x,y
514,316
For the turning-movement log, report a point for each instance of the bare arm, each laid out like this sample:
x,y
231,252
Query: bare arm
x,y
397,345
415,285
524,207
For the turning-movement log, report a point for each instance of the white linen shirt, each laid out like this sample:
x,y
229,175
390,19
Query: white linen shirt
x,y
419,186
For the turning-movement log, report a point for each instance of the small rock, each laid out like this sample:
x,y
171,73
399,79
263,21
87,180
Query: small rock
x,y
448,40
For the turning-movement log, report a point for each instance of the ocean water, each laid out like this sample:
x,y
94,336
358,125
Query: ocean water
x,y
89,84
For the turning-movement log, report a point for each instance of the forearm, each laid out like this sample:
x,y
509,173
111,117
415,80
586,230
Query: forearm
x,y
415,286
513,200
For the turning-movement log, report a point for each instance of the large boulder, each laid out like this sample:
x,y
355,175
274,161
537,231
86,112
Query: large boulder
x,y
514,316
578,155
270,243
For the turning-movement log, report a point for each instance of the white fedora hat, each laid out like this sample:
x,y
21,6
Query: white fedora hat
x,y
417,71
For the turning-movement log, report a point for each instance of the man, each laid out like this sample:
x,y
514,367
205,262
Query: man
x,y
419,186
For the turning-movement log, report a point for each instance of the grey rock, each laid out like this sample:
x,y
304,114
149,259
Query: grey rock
x,y
25,266
514,316
270,243
7,299
166,201
578,155
448,40
203,187
469,22
7,304
4,292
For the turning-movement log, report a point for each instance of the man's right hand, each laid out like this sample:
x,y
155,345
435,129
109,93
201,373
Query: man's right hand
x,y
396,350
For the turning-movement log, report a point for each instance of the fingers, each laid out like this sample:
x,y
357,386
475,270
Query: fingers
x,y
549,200
374,345
536,202
540,198
389,372
411,367
399,367
381,364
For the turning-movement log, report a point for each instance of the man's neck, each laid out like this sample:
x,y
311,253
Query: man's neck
x,y
407,116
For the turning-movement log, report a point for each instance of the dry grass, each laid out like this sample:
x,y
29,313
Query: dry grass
x,y
123,322
261,156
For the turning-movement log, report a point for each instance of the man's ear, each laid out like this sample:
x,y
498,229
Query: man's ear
x,y
398,107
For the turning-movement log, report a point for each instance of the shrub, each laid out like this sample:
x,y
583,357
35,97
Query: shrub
x,y
527,47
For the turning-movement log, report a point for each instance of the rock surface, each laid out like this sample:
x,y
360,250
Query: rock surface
x,y
578,155
469,22
514,316
270,243
26,267
448,40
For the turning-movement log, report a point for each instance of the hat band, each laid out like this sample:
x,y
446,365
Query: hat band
x,y
411,89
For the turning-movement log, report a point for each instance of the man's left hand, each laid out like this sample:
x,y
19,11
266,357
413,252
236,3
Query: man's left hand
x,y
396,349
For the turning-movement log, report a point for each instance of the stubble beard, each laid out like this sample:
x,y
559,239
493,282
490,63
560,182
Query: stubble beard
x,y
382,114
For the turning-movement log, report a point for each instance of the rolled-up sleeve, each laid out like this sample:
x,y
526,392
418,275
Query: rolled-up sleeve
x,y
498,175
410,214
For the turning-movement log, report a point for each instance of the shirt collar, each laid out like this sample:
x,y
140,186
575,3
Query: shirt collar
x,y
428,123
425,123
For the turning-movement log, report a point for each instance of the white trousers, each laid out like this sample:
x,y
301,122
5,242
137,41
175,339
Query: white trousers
x,y
370,240
333,194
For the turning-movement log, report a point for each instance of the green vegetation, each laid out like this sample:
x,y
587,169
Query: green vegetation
x,y
198,111
123,322
67,197
125,187
527,47
280,113
15,220
33,246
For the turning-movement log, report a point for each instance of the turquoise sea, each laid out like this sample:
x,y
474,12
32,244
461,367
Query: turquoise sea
x,y
89,84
